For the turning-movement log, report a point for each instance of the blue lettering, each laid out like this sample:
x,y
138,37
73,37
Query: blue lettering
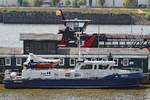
x,y
46,73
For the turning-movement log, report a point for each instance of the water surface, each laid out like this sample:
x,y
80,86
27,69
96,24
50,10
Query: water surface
x,y
75,94
9,33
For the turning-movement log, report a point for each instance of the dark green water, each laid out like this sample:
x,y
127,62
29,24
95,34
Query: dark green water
x,y
74,94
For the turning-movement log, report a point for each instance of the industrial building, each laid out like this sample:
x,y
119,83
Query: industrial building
x,y
45,45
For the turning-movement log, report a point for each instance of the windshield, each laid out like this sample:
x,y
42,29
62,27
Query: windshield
x,y
103,67
86,67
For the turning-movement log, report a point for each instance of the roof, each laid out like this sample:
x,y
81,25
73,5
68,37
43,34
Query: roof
x,y
76,20
11,50
116,51
47,36
76,56
127,36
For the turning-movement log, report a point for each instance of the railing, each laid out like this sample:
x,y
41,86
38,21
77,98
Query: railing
x,y
133,69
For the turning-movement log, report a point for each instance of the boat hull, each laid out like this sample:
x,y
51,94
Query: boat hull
x,y
108,82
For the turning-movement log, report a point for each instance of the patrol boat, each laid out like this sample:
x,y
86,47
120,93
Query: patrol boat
x,y
85,74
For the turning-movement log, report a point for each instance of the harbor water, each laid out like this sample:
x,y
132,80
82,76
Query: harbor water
x,y
75,94
9,33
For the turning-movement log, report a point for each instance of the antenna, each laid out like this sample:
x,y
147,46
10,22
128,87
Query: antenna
x,y
131,23
141,30
79,47
142,38
98,39
63,17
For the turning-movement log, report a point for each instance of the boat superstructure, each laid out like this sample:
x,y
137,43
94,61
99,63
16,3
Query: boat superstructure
x,y
102,40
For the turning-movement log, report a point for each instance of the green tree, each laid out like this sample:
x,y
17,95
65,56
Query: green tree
x,y
130,3
38,3
101,3
149,2
82,2
56,2
78,3
67,2
20,2
75,3
25,4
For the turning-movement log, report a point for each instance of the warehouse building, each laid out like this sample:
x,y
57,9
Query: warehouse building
x,y
45,45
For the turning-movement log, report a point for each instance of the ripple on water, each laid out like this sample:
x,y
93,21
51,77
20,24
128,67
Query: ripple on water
x,y
74,94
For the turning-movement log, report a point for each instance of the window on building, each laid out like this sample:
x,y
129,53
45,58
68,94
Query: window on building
x,y
129,43
104,59
101,43
1,61
18,61
7,61
108,43
116,61
72,61
61,62
122,43
125,62
83,42
40,47
115,43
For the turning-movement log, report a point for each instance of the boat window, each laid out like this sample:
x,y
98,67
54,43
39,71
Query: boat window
x,y
94,59
7,61
61,62
87,59
111,67
67,74
86,67
18,61
102,66
72,62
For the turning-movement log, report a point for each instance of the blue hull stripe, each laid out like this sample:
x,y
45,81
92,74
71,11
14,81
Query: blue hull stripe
x,y
109,81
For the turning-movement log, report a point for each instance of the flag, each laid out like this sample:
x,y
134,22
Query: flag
x,y
58,13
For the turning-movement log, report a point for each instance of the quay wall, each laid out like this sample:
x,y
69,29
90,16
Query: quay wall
x,y
51,18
